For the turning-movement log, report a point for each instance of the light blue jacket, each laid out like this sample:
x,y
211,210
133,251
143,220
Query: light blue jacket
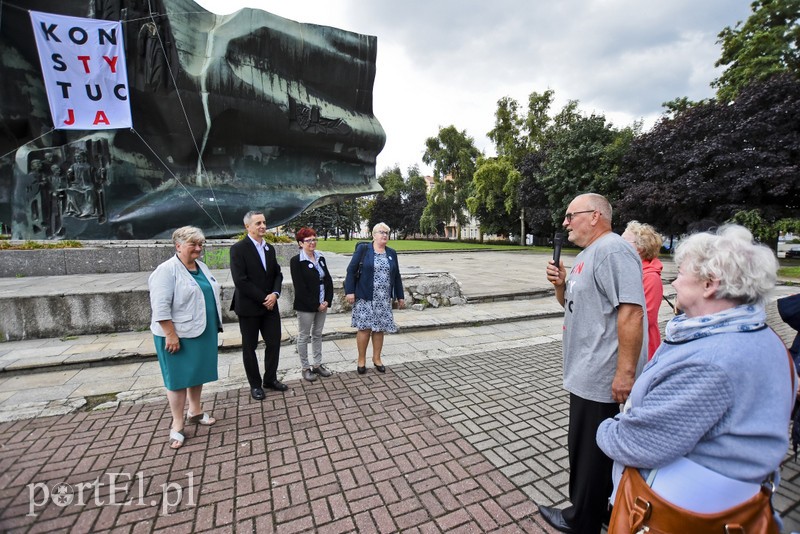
x,y
722,401
175,295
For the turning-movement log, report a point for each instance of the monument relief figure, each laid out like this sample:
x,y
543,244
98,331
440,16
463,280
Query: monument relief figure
x,y
80,194
230,113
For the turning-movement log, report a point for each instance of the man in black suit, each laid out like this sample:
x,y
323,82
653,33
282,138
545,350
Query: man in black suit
x,y
258,278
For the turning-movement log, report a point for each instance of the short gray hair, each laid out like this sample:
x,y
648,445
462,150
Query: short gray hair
x,y
188,234
599,203
249,216
381,226
746,271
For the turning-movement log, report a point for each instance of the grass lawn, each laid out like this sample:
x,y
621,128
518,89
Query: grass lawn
x,y
789,271
412,245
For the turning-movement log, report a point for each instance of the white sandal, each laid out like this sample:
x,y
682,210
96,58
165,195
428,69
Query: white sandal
x,y
175,438
200,419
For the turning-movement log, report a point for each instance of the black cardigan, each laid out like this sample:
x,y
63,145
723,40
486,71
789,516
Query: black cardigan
x,y
306,282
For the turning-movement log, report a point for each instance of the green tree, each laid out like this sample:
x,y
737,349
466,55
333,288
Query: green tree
x,y
494,199
767,43
538,121
584,156
451,153
439,207
322,219
387,207
507,132
414,202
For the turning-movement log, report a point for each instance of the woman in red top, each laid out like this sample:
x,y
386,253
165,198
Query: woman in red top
x,y
647,243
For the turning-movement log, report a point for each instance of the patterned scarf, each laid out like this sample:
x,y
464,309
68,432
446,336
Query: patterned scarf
x,y
743,318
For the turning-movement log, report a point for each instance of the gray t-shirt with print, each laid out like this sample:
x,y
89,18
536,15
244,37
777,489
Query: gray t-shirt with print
x,y
605,274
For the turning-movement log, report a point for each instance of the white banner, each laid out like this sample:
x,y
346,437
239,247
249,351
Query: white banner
x,y
83,64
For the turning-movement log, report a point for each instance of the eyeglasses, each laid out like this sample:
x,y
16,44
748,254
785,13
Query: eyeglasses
x,y
569,216
310,240
382,232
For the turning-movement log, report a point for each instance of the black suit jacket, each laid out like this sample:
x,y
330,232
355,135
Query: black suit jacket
x,y
306,282
252,282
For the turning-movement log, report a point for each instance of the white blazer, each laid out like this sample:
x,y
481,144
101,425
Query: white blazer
x,y
175,295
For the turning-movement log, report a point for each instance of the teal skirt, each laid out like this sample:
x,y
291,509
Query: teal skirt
x,y
196,361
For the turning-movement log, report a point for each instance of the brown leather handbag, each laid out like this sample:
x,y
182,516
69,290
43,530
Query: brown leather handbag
x,y
638,508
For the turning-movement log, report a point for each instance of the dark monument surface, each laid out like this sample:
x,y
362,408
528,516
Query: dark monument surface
x,y
230,113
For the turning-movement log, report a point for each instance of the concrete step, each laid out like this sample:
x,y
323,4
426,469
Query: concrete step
x,y
125,347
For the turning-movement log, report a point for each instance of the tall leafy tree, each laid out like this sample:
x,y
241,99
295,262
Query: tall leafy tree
x,y
767,43
338,218
538,121
532,195
387,207
452,153
718,159
439,207
584,156
414,202
507,132
494,199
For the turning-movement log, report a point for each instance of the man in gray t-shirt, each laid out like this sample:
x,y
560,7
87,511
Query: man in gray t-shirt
x,y
604,351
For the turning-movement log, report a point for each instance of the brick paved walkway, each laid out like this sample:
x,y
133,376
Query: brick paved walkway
x,y
345,454
464,444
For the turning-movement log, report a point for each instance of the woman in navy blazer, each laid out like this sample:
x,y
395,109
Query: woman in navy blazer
x,y
313,295
372,281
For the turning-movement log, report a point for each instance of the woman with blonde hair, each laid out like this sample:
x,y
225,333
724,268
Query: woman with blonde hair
x,y
647,243
372,281
186,320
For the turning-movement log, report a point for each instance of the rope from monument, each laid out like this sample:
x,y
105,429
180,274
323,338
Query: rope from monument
x,y
188,123
26,142
179,182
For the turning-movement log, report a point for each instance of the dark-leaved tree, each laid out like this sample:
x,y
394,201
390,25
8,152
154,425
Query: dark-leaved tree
x,y
715,160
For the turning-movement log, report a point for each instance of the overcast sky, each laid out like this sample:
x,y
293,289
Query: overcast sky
x,y
443,62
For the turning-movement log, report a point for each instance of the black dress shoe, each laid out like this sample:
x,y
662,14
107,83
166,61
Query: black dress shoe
x,y
380,368
555,519
277,386
361,370
257,393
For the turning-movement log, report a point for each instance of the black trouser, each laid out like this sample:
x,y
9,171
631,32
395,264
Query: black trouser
x,y
269,325
589,468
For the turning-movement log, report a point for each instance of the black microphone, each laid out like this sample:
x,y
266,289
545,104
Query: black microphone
x,y
558,240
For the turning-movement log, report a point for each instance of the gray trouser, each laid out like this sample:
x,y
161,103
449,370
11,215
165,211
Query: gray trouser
x,y
309,325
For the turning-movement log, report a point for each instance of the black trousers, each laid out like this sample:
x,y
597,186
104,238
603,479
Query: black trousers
x,y
589,468
269,325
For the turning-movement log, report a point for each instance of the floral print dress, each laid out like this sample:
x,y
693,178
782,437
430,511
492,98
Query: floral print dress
x,y
376,314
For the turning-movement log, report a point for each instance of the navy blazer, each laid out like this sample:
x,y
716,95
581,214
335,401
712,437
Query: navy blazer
x,y
364,288
306,282
252,282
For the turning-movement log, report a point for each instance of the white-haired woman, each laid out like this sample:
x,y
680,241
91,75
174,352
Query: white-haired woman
x,y
647,243
372,281
186,321
708,416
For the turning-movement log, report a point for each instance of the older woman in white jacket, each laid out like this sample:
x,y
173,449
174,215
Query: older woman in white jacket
x,y
186,321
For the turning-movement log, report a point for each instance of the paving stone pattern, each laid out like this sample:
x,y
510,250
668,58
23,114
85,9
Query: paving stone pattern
x,y
343,454
466,444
